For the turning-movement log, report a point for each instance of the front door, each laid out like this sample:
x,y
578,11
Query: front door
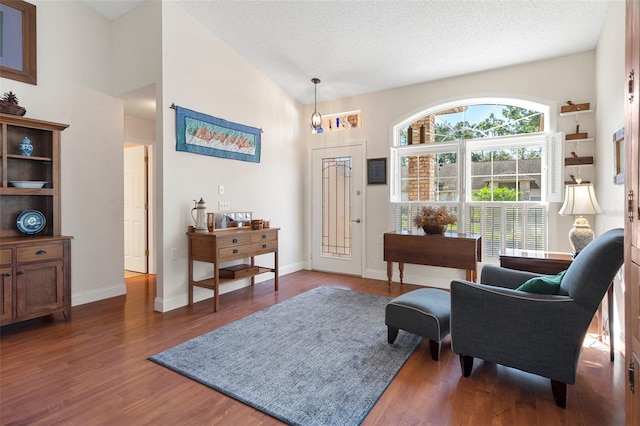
x,y
337,207
632,222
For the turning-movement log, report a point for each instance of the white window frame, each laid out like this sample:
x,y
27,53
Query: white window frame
x,y
551,169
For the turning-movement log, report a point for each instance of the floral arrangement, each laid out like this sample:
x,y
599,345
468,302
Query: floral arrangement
x,y
431,216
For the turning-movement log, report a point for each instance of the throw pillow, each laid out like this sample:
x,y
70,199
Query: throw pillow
x,y
543,285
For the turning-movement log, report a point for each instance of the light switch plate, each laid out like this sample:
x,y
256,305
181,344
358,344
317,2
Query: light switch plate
x,y
224,206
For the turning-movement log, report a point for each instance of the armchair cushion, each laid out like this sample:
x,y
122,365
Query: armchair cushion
x,y
543,285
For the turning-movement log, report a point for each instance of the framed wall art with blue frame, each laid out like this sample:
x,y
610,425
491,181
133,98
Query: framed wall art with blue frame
x,y
207,135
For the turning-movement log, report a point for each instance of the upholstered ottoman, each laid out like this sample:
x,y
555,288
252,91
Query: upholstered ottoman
x,y
424,312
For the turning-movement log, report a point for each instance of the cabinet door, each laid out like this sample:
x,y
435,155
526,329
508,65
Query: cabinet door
x,y
39,287
6,293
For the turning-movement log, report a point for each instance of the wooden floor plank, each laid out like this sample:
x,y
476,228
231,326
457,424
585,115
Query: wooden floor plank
x,y
94,370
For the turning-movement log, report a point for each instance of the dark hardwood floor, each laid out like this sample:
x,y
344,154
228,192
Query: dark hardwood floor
x,y
94,370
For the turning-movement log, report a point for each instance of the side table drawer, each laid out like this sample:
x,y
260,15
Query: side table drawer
x,y
39,252
266,235
247,250
233,240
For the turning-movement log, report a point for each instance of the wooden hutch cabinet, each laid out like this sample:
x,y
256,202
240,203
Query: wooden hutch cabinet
x,y
35,266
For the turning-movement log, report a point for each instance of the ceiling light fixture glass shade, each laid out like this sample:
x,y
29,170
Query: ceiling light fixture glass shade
x,y
580,200
316,117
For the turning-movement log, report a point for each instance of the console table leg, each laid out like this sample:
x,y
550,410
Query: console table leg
x,y
401,267
389,275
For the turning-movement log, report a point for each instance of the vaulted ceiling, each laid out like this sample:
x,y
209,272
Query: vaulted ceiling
x,y
364,46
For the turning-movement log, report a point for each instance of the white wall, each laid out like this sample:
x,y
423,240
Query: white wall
x,y
203,74
74,82
550,82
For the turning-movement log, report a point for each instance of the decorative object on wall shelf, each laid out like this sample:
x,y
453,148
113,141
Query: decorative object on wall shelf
x,y
575,181
571,107
576,135
340,121
31,222
576,160
19,59
26,147
377,171
618,157
207,135
9,105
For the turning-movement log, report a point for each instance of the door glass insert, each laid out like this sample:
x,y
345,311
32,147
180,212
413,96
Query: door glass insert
x,y
336,207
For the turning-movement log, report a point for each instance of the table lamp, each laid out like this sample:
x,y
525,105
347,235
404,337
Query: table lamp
x,y
580,199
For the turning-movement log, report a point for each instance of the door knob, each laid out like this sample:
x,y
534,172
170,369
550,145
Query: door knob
x,y
355,220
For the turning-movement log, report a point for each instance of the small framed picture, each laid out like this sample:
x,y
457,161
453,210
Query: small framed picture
x,y
377,171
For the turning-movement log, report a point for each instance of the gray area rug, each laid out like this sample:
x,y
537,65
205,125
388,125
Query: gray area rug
x,y
319,358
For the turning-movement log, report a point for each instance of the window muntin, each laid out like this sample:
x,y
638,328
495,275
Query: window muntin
x,y
511,213
507,170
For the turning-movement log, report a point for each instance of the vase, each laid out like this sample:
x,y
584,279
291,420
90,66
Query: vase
x,y
26,148
434,229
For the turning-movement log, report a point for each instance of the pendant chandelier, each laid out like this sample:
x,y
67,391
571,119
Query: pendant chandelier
x,y
316,117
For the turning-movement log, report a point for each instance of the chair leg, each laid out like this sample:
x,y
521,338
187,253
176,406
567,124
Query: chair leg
x,y
559,390
466,363
434,347
392,333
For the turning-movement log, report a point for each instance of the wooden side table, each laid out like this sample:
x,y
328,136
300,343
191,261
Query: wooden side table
x,y
451,250
551,263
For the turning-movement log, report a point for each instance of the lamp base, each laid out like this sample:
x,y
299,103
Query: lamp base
x,y
580,235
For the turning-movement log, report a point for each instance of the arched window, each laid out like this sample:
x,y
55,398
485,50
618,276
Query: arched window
x,y
488,160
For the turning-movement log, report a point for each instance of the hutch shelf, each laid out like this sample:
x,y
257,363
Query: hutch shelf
x,y
35,267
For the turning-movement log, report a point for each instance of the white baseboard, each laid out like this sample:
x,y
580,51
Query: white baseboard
x,y
83,297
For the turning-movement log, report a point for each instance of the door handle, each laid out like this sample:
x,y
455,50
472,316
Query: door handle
x,y
355,220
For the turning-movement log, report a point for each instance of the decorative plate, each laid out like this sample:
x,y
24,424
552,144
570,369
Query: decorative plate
x,y
31,222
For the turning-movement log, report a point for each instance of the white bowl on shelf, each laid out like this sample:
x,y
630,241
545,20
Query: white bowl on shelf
x,y
27,183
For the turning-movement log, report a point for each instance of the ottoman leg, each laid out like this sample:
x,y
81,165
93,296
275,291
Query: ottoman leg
x,y
392,333
434,347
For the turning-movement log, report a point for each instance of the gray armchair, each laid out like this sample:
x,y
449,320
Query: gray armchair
x,y
537,333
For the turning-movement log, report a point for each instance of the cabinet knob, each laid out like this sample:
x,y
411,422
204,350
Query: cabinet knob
x,y
8,274
264,246
235,251
20,272
41,252
235,240
264,237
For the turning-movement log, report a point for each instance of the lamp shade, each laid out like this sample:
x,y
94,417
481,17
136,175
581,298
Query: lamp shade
x,y
580,200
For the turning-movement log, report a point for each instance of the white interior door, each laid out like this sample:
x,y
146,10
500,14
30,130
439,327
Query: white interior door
x,y
337,207
135,211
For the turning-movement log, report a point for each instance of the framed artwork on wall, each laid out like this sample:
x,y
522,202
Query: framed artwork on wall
x,y
377,171
18,41
207,135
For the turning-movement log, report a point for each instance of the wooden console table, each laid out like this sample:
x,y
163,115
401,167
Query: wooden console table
x,y
540,262
451,250
226,245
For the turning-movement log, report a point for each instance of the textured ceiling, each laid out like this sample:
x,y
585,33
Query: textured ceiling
x,y
358,47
